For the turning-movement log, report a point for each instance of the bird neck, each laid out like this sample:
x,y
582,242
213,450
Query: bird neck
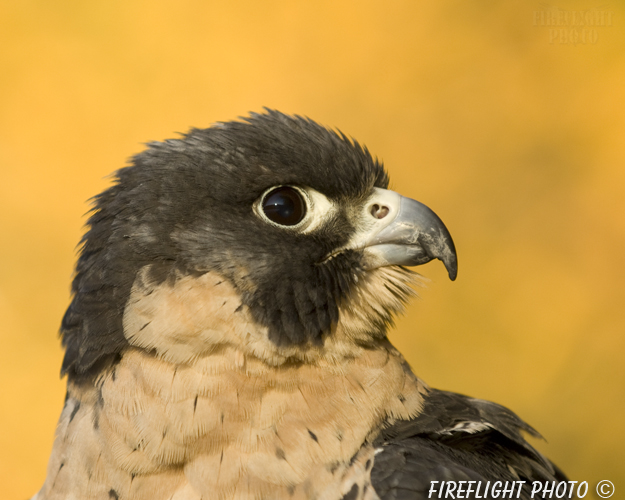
x,y
192,317
203,401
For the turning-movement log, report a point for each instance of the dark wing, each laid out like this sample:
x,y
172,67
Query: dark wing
x,y
457,438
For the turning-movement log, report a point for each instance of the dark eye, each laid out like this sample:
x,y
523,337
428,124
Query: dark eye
x,y
284,205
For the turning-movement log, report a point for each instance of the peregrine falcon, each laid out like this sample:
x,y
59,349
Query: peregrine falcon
x,y
227,334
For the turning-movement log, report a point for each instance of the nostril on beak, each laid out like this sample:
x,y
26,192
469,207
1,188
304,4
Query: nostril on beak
x,y
379,211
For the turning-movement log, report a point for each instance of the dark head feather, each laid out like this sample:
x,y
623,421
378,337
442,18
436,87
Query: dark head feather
x,y
185,206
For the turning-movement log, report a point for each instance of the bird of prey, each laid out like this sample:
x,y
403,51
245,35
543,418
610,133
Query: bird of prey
x,y
227,334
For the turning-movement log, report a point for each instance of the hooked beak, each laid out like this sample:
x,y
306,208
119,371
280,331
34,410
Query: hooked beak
x,y
396,230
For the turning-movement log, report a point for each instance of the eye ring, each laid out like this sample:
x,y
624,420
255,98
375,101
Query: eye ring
x,y
284,206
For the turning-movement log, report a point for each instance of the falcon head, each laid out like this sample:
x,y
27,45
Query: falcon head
x,y
295,217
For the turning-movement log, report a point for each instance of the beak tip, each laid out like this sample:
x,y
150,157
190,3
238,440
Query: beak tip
x,y
452,269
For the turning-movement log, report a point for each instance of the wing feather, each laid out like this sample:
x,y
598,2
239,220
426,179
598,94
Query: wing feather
x,y
456,438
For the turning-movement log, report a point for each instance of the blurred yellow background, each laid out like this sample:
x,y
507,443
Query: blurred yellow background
x,y
507,118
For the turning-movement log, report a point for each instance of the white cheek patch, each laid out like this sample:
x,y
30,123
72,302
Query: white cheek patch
x,y
320,210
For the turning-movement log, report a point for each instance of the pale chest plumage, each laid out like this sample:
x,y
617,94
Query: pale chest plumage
x,y
205,407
